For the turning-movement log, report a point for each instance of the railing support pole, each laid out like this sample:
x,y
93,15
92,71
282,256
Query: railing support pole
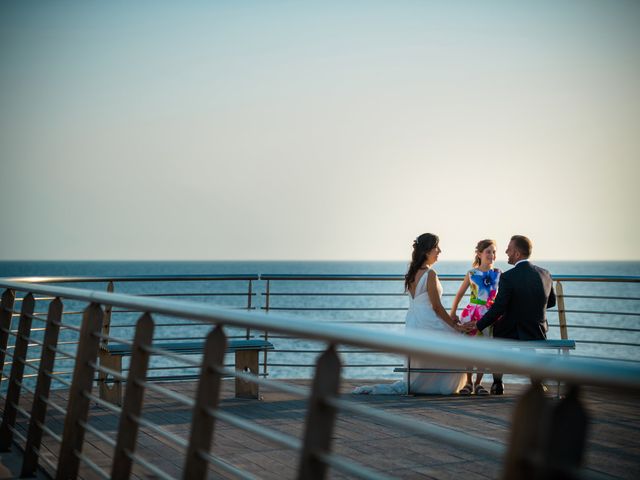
x,y
207,398
6,313
133,399
249,295
547,439
266,334
17,373
566,435
78,405
112,393
524,438
320,416
41,395
562,315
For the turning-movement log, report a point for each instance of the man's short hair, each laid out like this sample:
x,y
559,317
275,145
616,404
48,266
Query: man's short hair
x,y
523,245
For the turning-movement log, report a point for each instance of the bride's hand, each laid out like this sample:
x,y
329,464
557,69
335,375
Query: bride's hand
x,y
454,317
467,327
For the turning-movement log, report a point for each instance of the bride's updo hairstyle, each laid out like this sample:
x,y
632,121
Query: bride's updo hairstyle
x,y
421,247
482,244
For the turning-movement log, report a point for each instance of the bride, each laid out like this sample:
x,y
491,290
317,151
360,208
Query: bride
x,y
425,314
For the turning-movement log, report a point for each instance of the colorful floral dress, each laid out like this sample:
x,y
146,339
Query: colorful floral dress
x,y
484,287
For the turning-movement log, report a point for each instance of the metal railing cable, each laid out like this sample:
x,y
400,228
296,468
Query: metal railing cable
x,y
158,472
227,467
350,467
92,465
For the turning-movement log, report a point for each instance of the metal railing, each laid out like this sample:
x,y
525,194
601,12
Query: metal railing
x,y
236,291
324,404
603,321
600,313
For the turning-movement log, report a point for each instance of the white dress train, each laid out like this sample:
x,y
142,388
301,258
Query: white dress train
x,y
421,317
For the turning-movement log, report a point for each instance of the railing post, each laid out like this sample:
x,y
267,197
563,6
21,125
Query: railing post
x,y
41,395
320,416
207,398
249,299
133,399
524,439
266,334
562,316
6,313
111,393
566,435
17,373
78,405
106,319
547,440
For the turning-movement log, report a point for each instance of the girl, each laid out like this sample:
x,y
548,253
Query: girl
x,y
483,279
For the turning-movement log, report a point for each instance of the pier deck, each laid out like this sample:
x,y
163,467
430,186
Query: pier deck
x,y
613,440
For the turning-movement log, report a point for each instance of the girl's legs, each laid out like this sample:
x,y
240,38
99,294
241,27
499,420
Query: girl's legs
x,y
468,388
478,389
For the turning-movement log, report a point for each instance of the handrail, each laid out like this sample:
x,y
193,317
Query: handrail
x,y
458,351
441,276
132,278
286,276
323,402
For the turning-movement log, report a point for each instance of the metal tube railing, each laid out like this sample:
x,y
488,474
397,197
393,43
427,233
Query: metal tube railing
x,y
562,313
457,351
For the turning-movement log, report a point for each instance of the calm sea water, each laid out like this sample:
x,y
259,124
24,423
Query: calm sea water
x,y
104,268
381,312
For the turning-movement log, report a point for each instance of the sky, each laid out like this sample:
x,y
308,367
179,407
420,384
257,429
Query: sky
x,y
281,130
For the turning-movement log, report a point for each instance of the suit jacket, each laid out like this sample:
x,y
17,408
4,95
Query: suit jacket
x,y
519,309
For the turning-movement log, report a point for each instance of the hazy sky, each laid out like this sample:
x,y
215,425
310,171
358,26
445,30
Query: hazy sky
x,y
332,130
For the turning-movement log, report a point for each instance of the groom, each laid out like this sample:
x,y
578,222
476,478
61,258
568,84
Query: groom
x,y
524,294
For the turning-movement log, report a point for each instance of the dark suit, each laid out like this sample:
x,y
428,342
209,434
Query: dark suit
x,y
519,310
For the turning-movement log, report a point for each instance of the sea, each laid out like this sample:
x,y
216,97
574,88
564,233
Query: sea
x,y
607,326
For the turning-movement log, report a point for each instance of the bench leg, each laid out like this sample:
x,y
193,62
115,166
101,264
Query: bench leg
x,y
110,393
247,361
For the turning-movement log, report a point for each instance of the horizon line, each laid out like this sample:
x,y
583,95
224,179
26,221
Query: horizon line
x,y
295,260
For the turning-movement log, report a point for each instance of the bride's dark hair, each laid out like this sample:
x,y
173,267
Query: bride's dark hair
x,y
421,247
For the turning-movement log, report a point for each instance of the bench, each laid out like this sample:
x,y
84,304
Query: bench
x,y
246,360
563,346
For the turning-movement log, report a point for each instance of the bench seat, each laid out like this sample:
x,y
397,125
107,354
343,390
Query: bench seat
x,y
193,348
560,345
246,359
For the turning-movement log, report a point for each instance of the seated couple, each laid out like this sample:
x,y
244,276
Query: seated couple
x,y
508,305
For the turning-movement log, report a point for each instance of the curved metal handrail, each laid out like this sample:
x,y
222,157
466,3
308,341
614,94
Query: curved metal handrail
x,y
132,278
287,276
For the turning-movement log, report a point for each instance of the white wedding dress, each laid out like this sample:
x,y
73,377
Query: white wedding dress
x,y
422,318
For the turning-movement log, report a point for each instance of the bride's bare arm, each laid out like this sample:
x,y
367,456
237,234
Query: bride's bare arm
x,y
432,291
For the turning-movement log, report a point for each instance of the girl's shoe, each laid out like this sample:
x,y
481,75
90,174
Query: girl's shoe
x,y
480,390
466,390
